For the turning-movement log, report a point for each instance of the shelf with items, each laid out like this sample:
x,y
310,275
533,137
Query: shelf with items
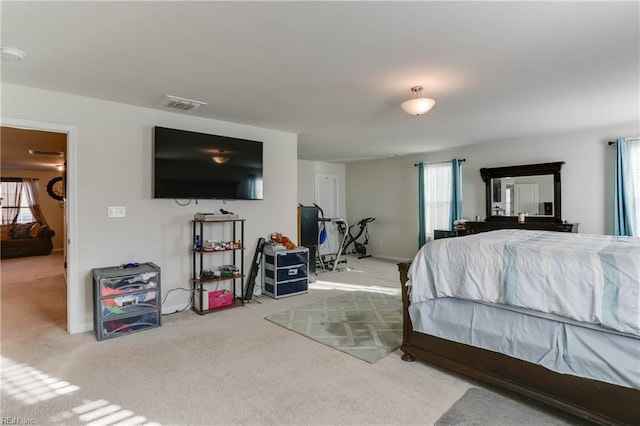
x,y
217,264
126,299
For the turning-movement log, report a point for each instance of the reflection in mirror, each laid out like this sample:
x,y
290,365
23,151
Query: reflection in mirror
x,y
530,189
531,195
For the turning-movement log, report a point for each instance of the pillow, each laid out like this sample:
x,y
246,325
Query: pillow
x,y
35,230
4,232
21,230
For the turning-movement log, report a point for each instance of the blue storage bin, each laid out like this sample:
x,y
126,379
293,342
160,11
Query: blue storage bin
x,y
292,258
285,272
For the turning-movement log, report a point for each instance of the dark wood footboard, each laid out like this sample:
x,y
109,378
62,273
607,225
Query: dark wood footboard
x,y
596,401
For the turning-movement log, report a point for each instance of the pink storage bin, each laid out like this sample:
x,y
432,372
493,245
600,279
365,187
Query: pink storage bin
x,y
220,298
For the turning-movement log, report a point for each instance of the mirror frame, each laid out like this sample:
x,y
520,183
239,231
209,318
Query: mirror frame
x,y
524,170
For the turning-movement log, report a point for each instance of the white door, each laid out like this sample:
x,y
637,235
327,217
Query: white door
x,y
526,198
327,198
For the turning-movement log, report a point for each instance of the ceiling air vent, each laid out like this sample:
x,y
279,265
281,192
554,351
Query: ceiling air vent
x,y
181,104
46,153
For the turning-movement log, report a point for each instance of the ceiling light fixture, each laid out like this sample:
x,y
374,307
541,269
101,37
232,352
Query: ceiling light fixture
x,y
182,104
418,105
46,153
220,158
12,54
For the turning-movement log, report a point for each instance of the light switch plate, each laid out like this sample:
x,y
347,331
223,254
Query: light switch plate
x,y
120,211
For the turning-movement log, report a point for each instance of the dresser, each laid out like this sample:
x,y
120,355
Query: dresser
x,y
492,225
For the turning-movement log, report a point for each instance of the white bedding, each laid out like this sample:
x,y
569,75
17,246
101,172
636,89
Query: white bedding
x,y
588,278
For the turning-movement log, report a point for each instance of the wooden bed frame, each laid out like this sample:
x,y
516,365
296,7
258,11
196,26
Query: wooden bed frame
x,y
596,401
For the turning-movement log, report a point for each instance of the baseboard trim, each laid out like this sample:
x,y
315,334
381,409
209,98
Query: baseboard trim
x,y
395,259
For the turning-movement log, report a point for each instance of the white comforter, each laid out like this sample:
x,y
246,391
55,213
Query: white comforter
x,y
588,278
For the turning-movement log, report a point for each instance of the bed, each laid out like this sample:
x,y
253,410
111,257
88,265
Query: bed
x,y
505,307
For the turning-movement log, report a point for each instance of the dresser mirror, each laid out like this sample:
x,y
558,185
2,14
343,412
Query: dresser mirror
x,y
531,189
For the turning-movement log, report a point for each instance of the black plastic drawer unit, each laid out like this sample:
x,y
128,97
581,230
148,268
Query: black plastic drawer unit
x,y
126,299
285,272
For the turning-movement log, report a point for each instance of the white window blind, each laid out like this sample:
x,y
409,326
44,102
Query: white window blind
x,y
438,187
632,185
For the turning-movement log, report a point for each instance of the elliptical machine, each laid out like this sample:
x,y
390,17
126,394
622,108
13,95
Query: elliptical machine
x,y
359,247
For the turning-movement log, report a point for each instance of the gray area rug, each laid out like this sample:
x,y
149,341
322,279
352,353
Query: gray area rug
x,y
363,324
482,407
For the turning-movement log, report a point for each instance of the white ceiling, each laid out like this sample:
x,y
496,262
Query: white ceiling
x,y
335,73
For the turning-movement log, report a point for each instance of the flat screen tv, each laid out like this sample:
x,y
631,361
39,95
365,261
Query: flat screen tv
x,y
191,165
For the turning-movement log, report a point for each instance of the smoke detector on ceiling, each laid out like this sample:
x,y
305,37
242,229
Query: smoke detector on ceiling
x,y
181,104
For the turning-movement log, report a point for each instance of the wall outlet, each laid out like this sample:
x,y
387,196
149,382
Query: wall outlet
x,y
116,211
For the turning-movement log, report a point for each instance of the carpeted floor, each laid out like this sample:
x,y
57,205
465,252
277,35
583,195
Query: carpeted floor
x,y
366,325
231,367
227,368
483,407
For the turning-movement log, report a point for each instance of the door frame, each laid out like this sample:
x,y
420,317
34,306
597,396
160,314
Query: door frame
x,y
333,242
74,305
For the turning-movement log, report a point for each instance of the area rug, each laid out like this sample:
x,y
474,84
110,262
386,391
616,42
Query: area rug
x,y
365,325
482,407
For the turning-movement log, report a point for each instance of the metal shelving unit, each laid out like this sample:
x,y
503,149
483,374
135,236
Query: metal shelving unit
x,y
212,294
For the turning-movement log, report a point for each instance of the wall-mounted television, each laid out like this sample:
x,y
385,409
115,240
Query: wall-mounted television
x,y
191,165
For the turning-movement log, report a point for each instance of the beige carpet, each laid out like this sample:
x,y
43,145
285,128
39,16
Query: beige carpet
x,y
483,407
227,368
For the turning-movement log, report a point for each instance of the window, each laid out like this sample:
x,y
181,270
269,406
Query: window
x,y
14,203
627,187
632,185
439,197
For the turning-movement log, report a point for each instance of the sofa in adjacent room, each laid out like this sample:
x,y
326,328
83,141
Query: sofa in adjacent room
x,y
25,239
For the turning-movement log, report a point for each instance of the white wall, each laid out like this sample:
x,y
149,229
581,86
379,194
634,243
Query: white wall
x,y
113,168
307,171
387,188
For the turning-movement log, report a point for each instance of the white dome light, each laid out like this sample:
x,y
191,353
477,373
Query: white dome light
x,y
418,105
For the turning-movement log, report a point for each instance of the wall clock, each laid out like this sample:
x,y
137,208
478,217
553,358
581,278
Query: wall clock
x,y
55,188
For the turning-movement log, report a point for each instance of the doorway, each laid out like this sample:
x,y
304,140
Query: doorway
x,y
66,253
327,198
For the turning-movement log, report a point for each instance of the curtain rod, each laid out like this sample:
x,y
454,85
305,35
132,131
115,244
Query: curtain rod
x,y
440,162
626,139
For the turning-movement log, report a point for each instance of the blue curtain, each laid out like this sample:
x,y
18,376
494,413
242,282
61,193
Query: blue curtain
x,y
626,214
422,232
456,192
620,216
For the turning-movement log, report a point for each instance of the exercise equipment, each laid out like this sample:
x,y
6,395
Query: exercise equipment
x,y
322,235
329,262
359,247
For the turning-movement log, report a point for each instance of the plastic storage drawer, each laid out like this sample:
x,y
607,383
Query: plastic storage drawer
x,y
125,325
124,280
126,299
285,274
128,303
289,288
288,258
